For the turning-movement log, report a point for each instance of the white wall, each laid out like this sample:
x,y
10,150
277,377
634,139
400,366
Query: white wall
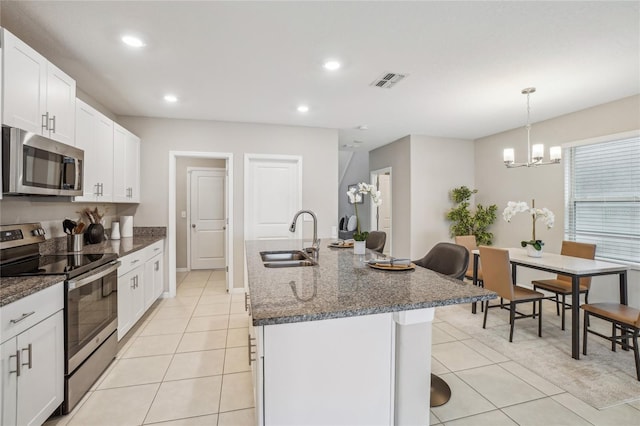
x,y
437,166
318,148
357,171
424,170
498,185
397,155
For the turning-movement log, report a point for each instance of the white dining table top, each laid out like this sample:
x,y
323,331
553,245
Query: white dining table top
x,y
561,263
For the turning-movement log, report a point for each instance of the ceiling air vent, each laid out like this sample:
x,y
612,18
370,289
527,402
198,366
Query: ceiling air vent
x,y
387,80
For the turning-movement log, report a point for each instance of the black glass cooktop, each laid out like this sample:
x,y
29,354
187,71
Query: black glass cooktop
x,y
70,265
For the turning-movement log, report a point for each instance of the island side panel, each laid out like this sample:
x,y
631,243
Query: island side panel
x,y
338,372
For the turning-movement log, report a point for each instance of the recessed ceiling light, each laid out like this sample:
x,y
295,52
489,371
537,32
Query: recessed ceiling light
x,y
363,127
133,41
170,98
332,65
303,108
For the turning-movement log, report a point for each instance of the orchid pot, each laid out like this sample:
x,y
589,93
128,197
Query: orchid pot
x,y
534,246
355,194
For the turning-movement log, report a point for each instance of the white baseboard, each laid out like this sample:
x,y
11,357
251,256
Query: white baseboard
x,y
182,269
239,290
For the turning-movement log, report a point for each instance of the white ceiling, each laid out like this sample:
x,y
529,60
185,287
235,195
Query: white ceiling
x,y
256,61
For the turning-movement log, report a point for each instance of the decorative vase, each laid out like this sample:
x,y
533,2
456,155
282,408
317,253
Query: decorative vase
x,y
532,252
94,233
359,247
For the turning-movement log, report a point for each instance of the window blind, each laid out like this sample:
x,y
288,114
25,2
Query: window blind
x,y
602,196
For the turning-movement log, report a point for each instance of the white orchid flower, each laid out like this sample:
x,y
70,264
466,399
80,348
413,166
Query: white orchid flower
x,y
545,214
355,194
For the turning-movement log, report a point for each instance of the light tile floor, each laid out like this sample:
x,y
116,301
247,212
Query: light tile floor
x,y
488,388
186,364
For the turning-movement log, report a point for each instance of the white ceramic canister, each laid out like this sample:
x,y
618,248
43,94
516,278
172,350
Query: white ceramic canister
x,y
115,230
126,226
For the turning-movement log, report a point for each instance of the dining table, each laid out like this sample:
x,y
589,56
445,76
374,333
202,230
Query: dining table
x,y
574,267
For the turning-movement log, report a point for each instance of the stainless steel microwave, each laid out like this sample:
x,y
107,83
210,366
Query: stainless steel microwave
x,y
36,165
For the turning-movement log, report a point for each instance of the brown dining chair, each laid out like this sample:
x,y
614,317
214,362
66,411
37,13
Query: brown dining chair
x,y
561,285
469,242
497,277
376,241
451,260
623,319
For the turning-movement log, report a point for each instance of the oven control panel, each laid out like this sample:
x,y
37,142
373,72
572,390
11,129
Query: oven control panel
x,y
12,235
20,235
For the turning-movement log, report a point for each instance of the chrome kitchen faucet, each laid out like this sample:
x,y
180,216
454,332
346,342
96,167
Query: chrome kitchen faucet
x,y
315,247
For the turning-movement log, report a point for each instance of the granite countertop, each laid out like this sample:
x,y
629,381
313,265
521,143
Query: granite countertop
x,y
15,288
121,247
342,285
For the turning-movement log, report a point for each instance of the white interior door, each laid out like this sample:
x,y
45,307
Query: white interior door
x,y
208,219
273,194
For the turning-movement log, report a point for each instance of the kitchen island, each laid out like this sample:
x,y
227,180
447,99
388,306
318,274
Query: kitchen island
x,y
343,343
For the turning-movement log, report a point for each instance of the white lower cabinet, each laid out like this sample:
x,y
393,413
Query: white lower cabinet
x,y
153,280
323,372
130,292
32,357
140,283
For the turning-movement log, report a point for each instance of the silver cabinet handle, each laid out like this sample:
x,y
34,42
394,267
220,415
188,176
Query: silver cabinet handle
x,y
53,124
156,249
135,261
17,357
30,357
45,121
133,283
22,317
157,266
250,352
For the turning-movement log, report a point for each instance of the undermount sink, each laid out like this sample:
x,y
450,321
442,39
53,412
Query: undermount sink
x,y
288,263
285,259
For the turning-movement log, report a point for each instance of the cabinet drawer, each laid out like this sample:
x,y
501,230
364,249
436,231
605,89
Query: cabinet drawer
x,y
154,249
22,314
131,261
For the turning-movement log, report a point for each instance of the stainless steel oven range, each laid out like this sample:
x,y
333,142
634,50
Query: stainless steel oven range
x,y
91,302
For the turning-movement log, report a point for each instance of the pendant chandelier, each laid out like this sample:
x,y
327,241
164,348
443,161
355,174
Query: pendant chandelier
x,y
535,154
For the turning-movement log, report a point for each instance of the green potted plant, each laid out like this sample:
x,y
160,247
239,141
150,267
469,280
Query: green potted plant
x,y
465,222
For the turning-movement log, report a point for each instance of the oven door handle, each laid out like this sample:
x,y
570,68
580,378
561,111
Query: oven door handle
x,y
91,276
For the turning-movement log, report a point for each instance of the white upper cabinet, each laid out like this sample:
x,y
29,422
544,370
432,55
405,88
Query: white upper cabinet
x,y
38,97
126,166
94,135
61,101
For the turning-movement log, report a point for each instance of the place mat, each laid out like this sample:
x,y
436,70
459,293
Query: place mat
x,y
341,245
388,267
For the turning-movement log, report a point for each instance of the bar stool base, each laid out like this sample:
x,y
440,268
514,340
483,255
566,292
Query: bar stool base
x,y
440,391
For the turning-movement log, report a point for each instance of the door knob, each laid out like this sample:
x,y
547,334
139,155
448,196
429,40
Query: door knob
x,y
224,227
193,226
